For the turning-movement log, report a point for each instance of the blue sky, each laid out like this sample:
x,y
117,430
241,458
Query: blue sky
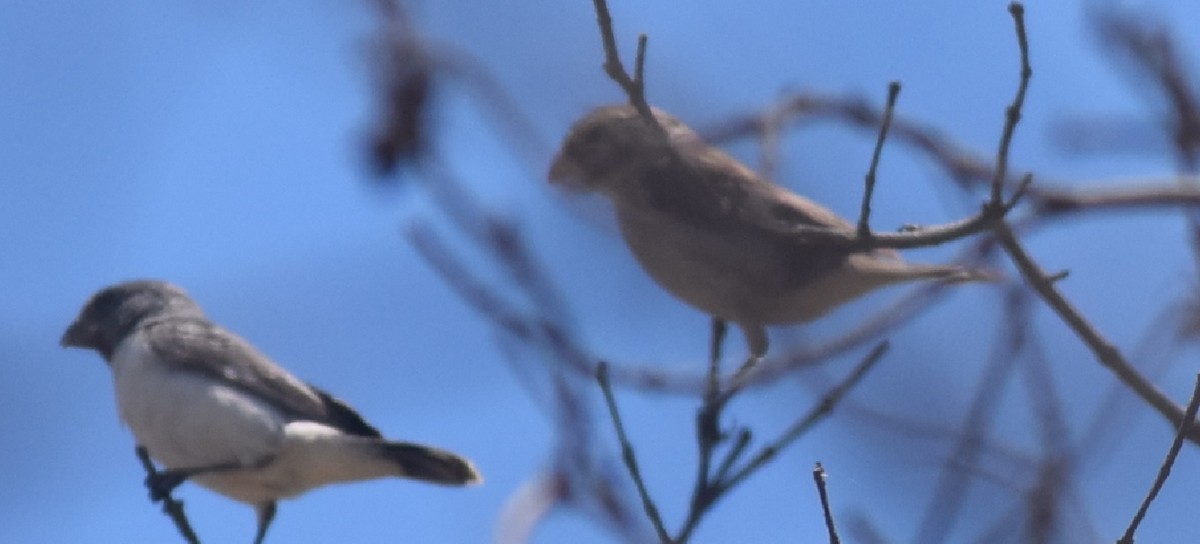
x,y
219,145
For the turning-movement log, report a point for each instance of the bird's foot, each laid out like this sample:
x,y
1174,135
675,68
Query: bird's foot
x,y
161,484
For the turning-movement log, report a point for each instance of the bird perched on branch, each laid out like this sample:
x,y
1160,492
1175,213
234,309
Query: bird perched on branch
x,y
210,408
714,233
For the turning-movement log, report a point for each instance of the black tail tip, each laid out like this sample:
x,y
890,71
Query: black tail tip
x,y
434,465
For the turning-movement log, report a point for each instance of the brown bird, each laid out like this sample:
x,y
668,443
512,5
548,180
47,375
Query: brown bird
x,y
714,233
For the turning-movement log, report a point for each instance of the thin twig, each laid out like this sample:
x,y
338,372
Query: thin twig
x,y
1164,471
589,478
633,86
735,452
1012,115
710,489
628,455
1132,195
1103,350
639,66
953,483
818,474
815,415
962,165
708,434
864,217
171,507
913,237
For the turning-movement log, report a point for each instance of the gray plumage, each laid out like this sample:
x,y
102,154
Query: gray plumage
x,y
210,407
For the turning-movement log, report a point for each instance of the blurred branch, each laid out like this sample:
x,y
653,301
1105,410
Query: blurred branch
x,y
1183,192
1150,52
992,212
408,66
545,328
710,487
953,482
581,475
818,412
961,165
1104,351
627,454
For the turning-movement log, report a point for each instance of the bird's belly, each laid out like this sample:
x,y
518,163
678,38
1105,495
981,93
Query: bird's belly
x,y
312,455
186,419
711,271
252,486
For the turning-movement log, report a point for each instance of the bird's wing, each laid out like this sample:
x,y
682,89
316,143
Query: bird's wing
x,y
342,416
708,188
194,344
761,203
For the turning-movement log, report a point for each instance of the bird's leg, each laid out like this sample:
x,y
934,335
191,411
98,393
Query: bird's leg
x,y
266,513
714,358
756,339
162,483
171,507
708,424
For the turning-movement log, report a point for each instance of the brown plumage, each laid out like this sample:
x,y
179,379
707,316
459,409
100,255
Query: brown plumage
x,y
714,233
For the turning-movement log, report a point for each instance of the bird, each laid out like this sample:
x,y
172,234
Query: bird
x,y
211,408
715,234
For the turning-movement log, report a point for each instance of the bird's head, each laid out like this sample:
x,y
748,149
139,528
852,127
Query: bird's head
x,y
610,144
113,312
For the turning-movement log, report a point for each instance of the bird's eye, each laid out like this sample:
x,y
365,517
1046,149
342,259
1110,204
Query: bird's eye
x,y
592,137
104,304
596,152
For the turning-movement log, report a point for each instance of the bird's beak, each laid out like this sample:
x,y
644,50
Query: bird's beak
x,y
565,172
78,335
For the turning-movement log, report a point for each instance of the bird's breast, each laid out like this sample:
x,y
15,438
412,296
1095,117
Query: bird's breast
x,y
709,269
187,419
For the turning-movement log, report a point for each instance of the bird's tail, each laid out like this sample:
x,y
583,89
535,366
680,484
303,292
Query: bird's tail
x,y
951,273
894,270
328,455
431,465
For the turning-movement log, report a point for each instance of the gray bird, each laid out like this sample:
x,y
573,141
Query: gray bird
x,y
714,233
210,408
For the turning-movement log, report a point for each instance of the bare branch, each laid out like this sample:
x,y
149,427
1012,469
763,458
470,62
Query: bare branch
x,y
1165,470
819,478
628,455
635,86
1130,196
816,414
1012,115
1101,348
1104,351
864,216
